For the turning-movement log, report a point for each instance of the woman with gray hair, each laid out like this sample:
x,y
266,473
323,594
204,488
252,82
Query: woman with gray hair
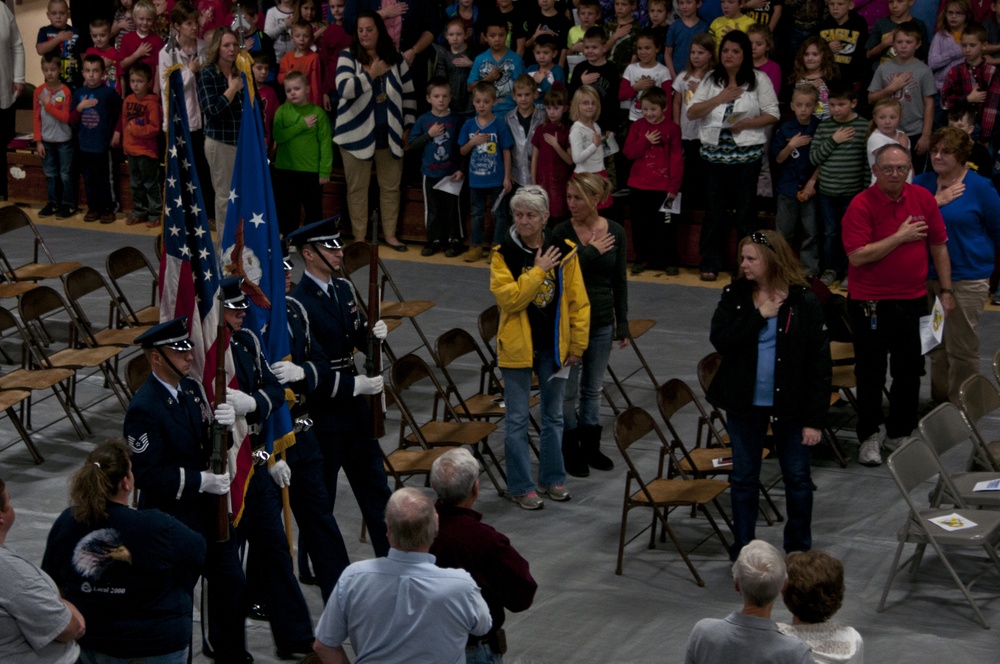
x,y
544,326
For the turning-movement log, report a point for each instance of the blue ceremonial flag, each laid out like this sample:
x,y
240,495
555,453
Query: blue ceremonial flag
x,y
251,248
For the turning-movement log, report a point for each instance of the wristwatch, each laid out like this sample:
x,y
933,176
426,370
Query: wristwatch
x,y
947,291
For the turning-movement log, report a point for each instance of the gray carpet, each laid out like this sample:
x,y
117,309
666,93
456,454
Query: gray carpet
x,y
583,612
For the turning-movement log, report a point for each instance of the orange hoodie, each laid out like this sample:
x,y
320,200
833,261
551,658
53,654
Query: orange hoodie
x,y
141,119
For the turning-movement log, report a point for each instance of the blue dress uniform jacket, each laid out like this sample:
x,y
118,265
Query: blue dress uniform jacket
x,y
256,379
308,353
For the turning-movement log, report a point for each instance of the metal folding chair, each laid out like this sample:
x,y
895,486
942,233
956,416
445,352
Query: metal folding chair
x,y
42,266
126,262
979,398
637,328
944,429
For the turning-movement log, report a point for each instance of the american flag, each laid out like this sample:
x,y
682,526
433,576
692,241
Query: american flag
x,y
189,269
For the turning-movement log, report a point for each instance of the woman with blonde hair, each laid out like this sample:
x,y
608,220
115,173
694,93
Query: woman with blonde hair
x,y
130,573
769,329
602,248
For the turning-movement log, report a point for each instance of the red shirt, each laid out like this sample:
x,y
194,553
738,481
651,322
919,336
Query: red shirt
x,y
902,273
552,172
130,43
268,107
657,167
112,72
331,43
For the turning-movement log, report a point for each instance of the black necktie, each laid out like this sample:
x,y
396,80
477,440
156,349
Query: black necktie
x,y
332,292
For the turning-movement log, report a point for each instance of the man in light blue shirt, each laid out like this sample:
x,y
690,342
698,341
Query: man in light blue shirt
x,y
403,608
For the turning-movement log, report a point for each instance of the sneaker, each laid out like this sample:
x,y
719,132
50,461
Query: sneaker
x,y
891,444
454,249
430,249
486,251
91,216
869,454
472,255
153,222
66,211
47,211
638,268
843,284
108,218
135,220
672,271
555,492
828,277
529,501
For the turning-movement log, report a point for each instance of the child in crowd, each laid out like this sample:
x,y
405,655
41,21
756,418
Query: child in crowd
x,y
278,26
643,76
602,77
333,12
161,22
659,22
962,116
259,41
498,66
884,130
946,45
435,134
304,60
546,72
330,43
309,11
547,21
62,38
141,45
211,16
453,64
796,177
622,32
846,32
123,22
588,14
766,13
522,123
732,19
514,15
304,156
469,14
975,82
838,149
261,69
53,104
141,120
96,111
681,33
761,45
815,66
100,34
992,25
551,163
487,142
911,82
654,146
701,61
585,138
881,40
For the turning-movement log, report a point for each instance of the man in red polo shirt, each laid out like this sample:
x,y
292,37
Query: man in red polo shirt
x,y
888,230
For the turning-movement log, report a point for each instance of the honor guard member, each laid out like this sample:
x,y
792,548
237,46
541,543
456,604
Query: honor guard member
x,y
309,376
259,394
167,426
342,421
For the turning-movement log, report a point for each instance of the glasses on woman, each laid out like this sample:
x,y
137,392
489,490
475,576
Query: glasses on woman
x,y
759,238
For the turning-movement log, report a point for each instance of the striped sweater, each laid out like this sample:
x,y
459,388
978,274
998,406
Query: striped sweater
x,y
355,130
843,168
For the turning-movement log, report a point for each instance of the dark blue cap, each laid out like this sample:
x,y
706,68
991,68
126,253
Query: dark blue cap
x,y
172,334
324,233
233,294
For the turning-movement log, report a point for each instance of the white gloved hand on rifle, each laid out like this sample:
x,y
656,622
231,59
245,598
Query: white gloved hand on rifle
x,y
366,385
380,330
241,401
288,372
281,474
225,415
215,484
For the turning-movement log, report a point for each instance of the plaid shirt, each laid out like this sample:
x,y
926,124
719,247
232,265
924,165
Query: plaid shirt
x,y
960,81
222,117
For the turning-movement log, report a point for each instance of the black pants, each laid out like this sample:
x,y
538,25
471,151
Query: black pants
x,y
225,592
293,192
441,213
654,240
695,184
96,169
732,194
7,116
894,343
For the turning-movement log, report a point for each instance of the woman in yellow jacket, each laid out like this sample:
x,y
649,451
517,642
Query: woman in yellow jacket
x,y
544,327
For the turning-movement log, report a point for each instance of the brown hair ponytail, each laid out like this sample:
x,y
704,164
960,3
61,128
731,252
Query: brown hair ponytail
x,y
95,484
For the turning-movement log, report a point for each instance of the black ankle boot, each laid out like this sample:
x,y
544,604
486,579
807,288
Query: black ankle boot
x,y
575,465
590,448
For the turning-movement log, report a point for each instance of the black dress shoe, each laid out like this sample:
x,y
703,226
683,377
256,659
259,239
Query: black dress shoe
x,y
207,652
258,612
308,579
295,651
398,247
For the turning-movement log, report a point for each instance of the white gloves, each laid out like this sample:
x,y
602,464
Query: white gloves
x,y
366,385
241,401
212,483
225,415
380,330
288,372
281,474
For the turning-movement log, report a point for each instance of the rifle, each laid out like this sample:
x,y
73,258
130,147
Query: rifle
x,y
220,434
373,356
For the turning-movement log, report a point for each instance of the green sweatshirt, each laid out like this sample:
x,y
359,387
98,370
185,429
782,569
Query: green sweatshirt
x,y
843,168
300,147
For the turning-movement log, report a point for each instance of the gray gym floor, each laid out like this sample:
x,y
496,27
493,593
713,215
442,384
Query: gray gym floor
x,y
583,612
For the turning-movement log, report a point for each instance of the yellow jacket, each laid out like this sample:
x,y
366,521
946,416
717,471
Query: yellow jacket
x,y
514,296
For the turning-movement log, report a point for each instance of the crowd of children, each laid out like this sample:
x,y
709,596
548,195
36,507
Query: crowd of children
x,y
532,92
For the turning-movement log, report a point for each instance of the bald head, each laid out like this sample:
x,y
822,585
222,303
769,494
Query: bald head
x,y
411,520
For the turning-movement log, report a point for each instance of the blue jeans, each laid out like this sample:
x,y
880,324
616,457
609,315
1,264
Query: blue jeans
x,y
595,363
831,211
58,168
482,654
517,392
92,657
478,200
747,435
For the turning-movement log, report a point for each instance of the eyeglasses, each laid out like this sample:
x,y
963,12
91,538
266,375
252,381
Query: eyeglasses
x,y
889,170
759,238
